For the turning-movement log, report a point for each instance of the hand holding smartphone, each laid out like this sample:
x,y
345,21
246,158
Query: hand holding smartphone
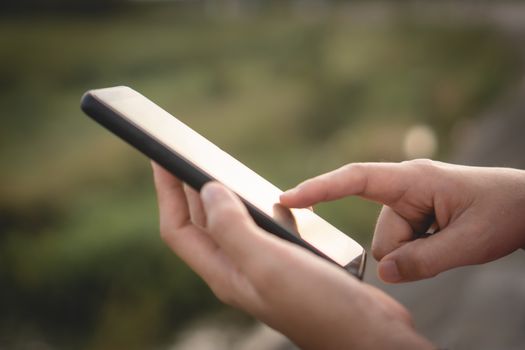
x,y
195,160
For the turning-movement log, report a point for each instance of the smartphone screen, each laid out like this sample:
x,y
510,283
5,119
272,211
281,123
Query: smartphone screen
x,y
153,125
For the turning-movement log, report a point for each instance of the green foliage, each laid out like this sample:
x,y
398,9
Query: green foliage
x,y
81,264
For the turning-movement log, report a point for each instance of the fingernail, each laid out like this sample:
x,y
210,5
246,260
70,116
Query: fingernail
x,y
211,193
388,271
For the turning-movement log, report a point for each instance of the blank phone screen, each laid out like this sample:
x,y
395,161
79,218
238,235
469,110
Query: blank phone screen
x,y
203,154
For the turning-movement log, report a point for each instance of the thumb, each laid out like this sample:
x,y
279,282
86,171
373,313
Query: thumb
x,y
229,223
426,257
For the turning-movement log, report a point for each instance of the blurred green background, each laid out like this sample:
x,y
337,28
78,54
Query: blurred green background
x,y
292,89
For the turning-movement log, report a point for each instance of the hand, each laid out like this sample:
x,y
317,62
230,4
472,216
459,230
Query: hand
x,y
313,302
478,212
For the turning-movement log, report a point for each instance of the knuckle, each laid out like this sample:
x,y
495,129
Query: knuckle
x,y
426,167
354,166
405,315
348,167
359,173
421,163
357,168
378,251
383,240
423,268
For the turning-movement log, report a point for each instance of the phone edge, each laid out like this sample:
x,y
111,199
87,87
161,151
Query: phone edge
x,y
187,172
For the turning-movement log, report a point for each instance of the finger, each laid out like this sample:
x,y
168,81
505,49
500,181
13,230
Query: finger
x,y
195,206
426,257
231,226
391,231
382,182
191,244
173,208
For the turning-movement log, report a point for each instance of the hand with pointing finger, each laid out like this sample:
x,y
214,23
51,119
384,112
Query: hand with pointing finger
x,y
313,302
478,213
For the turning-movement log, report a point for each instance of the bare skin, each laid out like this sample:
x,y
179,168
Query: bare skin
x,y
477,211
314,303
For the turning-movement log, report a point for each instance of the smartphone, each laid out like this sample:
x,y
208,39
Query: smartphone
x,y
195,160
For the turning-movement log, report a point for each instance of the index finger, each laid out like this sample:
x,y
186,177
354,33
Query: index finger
x,y
188,241
173,208
380,182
